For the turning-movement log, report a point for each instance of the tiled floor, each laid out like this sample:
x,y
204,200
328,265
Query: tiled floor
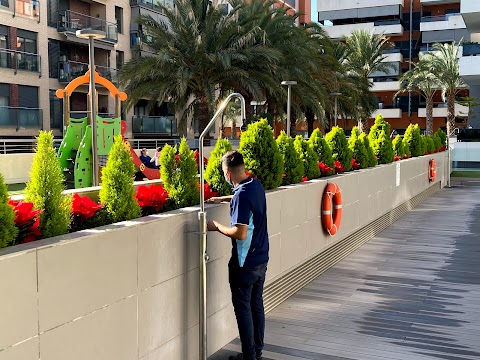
x,y
413,292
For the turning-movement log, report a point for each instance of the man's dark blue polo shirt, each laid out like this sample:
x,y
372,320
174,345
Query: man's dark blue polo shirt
x,y
249,207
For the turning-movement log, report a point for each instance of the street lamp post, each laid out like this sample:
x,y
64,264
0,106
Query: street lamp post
x,y
335,95
91,35
289,90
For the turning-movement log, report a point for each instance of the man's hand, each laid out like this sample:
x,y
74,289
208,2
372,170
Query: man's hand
x,y
218,199
212,226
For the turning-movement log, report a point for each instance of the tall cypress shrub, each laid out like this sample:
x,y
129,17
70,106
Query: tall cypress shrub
x,y
261,155
46,186
398,146
214,171
337,141
383,148
8,230
358,149
379,126
307,157
321,148
292,163
412,140
117,193
372,159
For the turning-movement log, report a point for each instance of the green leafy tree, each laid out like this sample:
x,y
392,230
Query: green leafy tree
x,y
179,174
412,140
379,126
337,141
321,148
294,168
357,146
383,148
214,172
308,157
261,155
117,193
372,159
430,144
46,187
398,146
8,230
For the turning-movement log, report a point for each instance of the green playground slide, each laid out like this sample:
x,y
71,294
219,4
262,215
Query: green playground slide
x,y
83,162
69,146
106,130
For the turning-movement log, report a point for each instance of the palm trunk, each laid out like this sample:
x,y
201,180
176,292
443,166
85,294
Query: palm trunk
x,y
293,123
429,121
450,114
203,113
310,117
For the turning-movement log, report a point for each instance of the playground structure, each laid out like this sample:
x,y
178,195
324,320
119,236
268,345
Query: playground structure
x,y
75,152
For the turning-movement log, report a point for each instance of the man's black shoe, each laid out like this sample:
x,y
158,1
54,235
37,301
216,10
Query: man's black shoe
x,y
240,357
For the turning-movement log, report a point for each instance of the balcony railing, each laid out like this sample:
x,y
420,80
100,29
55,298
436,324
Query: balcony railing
x,y
438,18
154,125
70,21
69,70
19,60
21,118
387,22
151,4
471,49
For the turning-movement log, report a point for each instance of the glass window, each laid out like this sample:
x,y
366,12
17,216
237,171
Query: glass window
x,y
4,54
119,19
120,59
4,3
27,59
28,7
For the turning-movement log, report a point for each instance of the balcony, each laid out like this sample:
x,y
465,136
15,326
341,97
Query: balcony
x,y
444,22
393,56
69,22
19,60
470,64
470,10
388,112
353,9
438,2
440,110
385,85
390,27
69,70
20,118
165,125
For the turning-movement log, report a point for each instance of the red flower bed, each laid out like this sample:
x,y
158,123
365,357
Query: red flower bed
x,y
27,221
208,192
442,148
339,169
397,158
83,208
324,168
305,179
355,164
196,154
151,198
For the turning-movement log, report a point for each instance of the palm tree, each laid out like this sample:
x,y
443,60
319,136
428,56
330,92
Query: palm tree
x,y
365,56
422,80
446,69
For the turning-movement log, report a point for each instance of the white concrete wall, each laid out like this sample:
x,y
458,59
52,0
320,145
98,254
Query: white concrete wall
x,y
330,5
339,31
453,22
130,290
15,168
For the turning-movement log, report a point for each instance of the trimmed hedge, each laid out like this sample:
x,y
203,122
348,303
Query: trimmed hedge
x,y
214,172
308,157
398,147
321,148
337,141
372,159
412,140
357,146
293,165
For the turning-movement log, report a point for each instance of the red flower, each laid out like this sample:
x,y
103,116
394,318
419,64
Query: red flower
x,y
427,152
442,148
248,173
27,221
208,192
405,156
397,158
196,154
151,198
177,158
83,207
435,151
355,164
283,175
324,168
339,168
305,179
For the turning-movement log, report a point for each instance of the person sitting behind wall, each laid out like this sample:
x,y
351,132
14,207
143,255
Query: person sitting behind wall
x,y
145,159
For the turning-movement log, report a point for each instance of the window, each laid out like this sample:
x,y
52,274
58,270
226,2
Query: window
x,y
4,55
28,7
27,59
120,59
56,111
4,3
119,19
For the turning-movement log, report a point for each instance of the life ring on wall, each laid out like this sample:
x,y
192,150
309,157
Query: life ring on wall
x,y
432,170
332,209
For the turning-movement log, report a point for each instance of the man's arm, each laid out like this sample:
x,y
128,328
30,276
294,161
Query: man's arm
x,y
219,199
238,232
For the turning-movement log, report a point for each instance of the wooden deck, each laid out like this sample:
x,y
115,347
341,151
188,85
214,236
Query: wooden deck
x,y
413,292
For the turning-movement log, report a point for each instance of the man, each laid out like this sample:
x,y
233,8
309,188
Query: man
x,y
248,264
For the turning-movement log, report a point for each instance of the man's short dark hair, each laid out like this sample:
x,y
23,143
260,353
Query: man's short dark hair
x,y
232,160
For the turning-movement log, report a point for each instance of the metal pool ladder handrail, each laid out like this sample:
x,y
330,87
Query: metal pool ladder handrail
x,y
202,218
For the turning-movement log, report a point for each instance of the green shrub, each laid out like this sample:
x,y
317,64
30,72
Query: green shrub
x,y
261,155
412,140
46,187
437,141
308,157
443,137
179,174
372,159
358,149
430,144
214,172
423,141
8,230
379,126
117,193
398,148
337,141
383,148
321,148
294,169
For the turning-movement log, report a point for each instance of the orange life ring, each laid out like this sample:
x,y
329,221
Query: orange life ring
x,y
432,170
332,208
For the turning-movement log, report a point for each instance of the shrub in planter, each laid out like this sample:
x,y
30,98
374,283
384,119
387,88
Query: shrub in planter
x,y
307,157
321,148
372,159
398,148
430,144
412,140
443,138
383,148
8,230
260,154
357,147
294,168
437,142
117,193
379,126
337,141
179,174
214,172
151,199
87,214
423,142
27,221
46,187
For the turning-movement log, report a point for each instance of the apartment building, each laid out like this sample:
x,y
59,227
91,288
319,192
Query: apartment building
x,y
413,26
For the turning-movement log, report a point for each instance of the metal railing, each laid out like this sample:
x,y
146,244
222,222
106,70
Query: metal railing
x,y
19,60
21,118
69,70
386,22
138,39
70,21
154,125
391,51
151,4
471,49
25,146
445,17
